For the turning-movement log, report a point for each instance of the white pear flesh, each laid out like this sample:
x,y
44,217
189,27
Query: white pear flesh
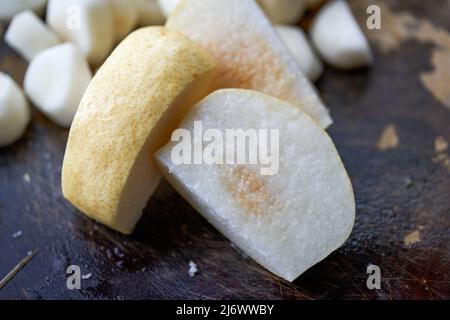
x,y
288,221
338,37
87,23
14,111
298,44
56,80
29,36
9,8
168,6
150,13
249,51
283,11
125,17
128,112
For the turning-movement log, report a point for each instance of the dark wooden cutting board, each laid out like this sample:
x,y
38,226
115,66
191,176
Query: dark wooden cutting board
x,y
402,194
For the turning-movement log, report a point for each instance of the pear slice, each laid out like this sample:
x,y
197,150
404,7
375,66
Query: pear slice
x,y
250,53
287,221
133,103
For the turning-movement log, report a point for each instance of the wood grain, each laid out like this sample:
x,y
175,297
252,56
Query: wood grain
x,y
398,191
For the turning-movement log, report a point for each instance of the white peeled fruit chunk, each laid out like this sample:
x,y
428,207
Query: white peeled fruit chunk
x,y
14,111
9,8
249,52
128,112
150,13
28,35
287,221
86,23
299,46
168,6
338,37
125,16
56,80
283,11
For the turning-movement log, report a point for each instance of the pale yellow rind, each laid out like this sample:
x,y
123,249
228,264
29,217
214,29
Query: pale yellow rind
x,y
118,118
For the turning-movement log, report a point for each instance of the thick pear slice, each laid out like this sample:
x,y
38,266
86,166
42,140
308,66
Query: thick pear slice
x,y
287,221
133,103
250,53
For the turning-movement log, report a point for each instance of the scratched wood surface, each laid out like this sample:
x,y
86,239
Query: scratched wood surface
x,y
401,183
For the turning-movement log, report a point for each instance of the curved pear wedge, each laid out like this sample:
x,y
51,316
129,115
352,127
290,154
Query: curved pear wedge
x,y
286,219
249,52
130,108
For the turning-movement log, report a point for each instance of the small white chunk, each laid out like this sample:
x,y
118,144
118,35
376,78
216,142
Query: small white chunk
x,y
9,8
17,234
56,80
27,178
86,23
298,44
192,269
283,11
28,35
150,13
86,276
167,6
287,221
14,111
338,37
125,16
